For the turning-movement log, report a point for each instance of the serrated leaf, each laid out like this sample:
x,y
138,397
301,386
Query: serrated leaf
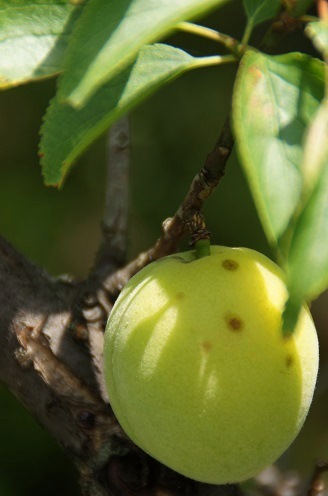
x,y
110,34
318,33
67,131
275,98
33,38
258,11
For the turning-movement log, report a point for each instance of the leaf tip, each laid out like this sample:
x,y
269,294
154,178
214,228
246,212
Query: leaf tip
x,y
50,182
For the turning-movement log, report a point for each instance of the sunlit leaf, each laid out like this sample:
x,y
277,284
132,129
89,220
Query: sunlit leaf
x,y
33,38
67,131
110,34
275,98
260,10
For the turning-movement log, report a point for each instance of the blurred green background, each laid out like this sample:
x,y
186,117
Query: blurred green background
x,y
171,135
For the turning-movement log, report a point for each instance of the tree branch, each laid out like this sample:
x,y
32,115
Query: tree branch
x,y
92,303
112,250
49,367
174,228
113,246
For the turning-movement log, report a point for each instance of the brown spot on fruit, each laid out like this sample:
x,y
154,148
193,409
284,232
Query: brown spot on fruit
x,y
234,323
229,264
289,361
180,295
207,346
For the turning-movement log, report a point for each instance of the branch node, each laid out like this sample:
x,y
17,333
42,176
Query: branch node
x,y
167,223
197,228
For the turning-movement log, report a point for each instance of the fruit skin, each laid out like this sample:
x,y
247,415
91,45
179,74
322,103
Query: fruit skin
x,y
197,371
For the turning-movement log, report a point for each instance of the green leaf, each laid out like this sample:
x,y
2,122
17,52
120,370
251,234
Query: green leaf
x,y
307,264
275,98
67,131
318,33
258,11
110,34
308,260
33,38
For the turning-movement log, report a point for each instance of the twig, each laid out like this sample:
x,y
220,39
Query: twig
x,y
92,300
174,228
112,251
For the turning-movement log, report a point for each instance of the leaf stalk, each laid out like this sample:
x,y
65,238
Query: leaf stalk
x,y
247,33
233,45
216,60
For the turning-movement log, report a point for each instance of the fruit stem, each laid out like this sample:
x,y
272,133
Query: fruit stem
x,y
200,237
203,248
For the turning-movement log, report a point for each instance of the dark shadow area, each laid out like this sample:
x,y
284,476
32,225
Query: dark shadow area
x,y
30,459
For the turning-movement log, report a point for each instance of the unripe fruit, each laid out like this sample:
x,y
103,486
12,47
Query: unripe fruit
x,y
198,372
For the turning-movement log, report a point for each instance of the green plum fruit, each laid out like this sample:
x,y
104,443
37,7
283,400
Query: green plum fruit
x,y
197,369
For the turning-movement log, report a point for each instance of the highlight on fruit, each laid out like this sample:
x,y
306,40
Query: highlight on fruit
x,y
198,372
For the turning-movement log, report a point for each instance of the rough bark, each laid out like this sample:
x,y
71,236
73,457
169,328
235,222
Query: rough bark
x,y
52,367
